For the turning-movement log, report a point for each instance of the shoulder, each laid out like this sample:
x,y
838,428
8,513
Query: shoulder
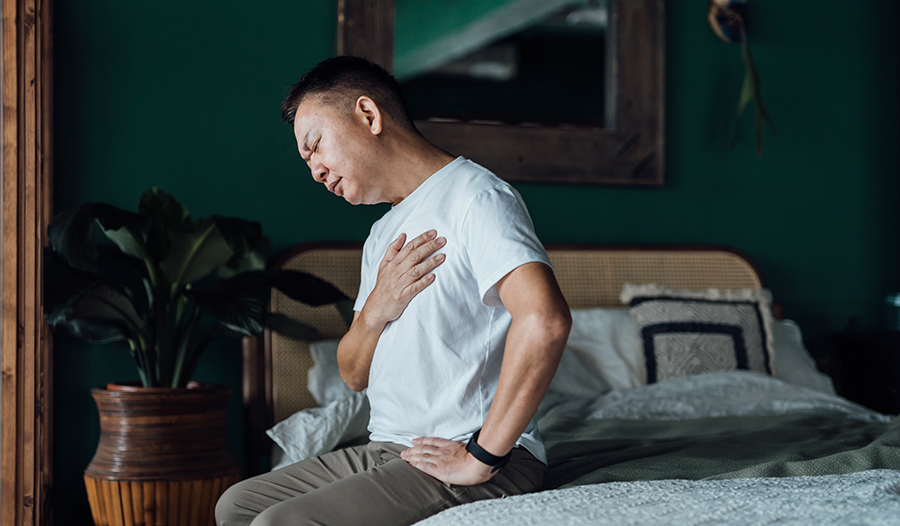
x,y
478,188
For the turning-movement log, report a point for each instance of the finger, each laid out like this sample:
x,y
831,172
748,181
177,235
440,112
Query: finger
x,y
433,441
394,248
423,268
426,467
420,240
410,258
411,291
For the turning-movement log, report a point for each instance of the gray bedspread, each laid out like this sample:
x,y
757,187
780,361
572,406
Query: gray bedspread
x,y
809,443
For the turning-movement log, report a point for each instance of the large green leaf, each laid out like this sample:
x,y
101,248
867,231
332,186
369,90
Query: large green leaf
x,y
305,287
166,213
239,302
291,328
108,304
63,287
71,233
196,249
254,260
95,332
241,235
345,309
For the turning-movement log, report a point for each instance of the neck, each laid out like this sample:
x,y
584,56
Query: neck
x,y
411,160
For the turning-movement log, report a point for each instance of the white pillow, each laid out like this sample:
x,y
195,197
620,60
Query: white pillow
x,y
324,382
606,341
312,432
793,362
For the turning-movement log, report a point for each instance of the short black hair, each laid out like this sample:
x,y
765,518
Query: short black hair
x,y
346,78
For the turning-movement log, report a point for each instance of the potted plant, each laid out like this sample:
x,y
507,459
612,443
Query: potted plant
x,y
166,285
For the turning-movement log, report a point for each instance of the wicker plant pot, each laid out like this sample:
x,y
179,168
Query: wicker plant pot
x,y
163,457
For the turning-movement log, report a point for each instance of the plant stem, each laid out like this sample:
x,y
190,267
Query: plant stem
x,y
184,342
139,359
195,357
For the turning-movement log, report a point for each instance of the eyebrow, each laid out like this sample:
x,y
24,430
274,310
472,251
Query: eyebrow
x,y
306,140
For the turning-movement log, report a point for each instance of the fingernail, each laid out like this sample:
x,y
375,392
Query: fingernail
x,y
432,233
440,257
441,240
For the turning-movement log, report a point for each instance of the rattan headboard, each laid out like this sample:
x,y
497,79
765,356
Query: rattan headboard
x,y
589,276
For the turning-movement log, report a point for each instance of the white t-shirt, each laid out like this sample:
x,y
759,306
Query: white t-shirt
x,y
435,368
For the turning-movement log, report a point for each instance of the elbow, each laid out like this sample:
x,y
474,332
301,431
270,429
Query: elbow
x,y
554,327
558,327
351,373
355,382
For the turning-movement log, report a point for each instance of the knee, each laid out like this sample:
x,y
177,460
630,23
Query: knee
x,y
229,512
279,515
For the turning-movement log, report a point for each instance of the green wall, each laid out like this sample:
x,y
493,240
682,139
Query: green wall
x,y
185,95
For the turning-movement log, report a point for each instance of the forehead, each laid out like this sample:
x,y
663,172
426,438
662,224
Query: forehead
x,y
313,112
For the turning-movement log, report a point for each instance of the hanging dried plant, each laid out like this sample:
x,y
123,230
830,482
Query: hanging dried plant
x,y
728,20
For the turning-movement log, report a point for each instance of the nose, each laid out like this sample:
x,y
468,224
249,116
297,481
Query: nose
x,y
319,172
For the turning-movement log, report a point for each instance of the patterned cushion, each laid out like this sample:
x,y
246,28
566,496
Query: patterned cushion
x,y
686,332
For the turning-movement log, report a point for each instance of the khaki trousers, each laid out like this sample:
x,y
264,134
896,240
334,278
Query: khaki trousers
x,y
363,485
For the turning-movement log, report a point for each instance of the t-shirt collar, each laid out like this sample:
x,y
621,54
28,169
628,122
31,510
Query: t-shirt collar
x,y
432,180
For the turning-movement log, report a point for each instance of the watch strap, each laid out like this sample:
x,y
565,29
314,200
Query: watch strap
x,y
483,456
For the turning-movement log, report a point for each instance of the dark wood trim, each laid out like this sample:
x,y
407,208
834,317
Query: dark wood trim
x,y
629,151
254,404
366,29
25,445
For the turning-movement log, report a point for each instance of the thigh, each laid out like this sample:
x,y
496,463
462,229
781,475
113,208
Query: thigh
x,y
392,494
243,501
396,493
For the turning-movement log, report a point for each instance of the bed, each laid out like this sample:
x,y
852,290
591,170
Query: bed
x,y
674,403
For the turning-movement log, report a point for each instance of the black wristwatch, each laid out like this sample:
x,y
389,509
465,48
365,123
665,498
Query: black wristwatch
x,y
478,452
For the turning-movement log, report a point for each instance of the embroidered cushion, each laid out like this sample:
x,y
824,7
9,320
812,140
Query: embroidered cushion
x,y
685,332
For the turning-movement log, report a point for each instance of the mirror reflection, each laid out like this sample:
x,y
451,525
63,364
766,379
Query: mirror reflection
x,y
509,61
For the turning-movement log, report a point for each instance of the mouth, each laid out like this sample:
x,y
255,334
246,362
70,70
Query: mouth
x,y
332,186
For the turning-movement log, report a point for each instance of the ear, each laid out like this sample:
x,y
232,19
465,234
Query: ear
x,y
369,112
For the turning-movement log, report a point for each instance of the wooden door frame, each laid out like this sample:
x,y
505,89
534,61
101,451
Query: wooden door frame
x,y
25,444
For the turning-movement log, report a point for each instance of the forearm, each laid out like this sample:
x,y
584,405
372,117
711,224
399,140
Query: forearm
x,y
356,349
534,346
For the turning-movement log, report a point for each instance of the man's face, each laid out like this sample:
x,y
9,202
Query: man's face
x,y
337,147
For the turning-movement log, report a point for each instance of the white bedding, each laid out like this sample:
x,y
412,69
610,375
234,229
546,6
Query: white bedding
x,y
868,497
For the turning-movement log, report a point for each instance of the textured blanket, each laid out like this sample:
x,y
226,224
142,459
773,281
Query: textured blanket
x,y
868,497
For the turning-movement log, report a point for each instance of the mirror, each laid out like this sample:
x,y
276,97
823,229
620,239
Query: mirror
x,y
503,60
606,130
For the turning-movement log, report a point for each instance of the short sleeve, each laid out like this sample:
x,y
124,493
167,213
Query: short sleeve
x,y
499,238
368,274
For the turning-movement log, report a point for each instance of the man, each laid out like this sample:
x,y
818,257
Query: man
x,y
459,322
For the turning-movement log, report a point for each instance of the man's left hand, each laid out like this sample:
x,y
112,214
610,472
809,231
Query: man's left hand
x,y
447,461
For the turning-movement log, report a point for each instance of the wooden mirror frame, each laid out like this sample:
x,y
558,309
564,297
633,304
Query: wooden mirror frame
x,y
628,151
